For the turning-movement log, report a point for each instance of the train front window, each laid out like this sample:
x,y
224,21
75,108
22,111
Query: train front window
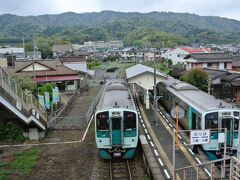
x,y
211,120
129,121
102,120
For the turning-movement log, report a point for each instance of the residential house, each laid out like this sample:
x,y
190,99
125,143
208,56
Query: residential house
x,y
103,44
224,84
77,61
215,83
165,52
36,55
129,54
49,72
58,50
18,52
150,53
177,55
236,63
209,60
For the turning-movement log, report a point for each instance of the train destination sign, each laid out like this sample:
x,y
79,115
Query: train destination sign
x,y
200,136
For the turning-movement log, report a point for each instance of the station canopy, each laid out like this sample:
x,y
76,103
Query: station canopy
x,y
144,76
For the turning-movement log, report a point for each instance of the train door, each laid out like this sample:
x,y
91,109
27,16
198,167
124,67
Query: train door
x,y
116,130
194,121
228,123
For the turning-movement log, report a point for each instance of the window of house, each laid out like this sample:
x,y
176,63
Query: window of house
x,y
225,65
70,82
209,64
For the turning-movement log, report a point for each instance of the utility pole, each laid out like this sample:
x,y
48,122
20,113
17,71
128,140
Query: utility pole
x,y
24,49
94,61
155,91
33,59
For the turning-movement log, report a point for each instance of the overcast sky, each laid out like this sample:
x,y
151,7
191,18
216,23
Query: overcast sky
x,y
223,8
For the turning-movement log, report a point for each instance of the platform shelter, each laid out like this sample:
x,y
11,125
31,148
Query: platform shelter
x,y
143,76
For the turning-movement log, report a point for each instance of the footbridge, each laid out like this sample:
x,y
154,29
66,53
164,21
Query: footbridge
x,y
21,108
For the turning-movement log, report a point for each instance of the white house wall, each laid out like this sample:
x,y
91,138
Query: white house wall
x,y
145,80
177,56
37,67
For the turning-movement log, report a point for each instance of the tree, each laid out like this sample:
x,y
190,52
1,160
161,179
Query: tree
x,y
169,63
26,83
196,77
45,88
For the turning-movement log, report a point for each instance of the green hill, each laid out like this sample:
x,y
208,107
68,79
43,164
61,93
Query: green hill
x,y
110,25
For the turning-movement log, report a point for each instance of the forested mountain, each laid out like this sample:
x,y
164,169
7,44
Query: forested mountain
x,y
159,28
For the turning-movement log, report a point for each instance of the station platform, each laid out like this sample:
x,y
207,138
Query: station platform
x,y
161,144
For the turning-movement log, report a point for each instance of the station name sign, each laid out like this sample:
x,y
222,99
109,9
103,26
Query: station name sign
x,y
200,136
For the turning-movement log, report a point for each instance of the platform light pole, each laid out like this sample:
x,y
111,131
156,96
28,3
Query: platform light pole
x,y
155,91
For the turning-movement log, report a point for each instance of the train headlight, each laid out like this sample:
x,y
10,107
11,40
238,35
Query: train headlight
x,y
100,140
132,140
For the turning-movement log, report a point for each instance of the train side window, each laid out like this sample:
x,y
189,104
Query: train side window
x,y
102,119
236,120
129,121
236,124
211,120
198,122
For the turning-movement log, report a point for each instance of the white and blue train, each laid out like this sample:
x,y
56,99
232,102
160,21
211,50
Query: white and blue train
x,y
202,111
116,122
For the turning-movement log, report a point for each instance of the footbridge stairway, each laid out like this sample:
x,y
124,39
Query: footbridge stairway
x,y
24,109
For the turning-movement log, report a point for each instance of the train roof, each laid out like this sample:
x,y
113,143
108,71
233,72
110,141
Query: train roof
x,y
199,100
116,95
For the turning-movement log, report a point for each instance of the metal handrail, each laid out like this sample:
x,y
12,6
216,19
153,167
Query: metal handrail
x,y
15,91
93,105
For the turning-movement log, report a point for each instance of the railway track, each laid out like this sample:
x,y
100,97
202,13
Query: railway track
x,y
120,170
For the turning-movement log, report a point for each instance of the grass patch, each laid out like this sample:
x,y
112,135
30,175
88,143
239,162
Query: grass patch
x,y
10,132
160,66
21,165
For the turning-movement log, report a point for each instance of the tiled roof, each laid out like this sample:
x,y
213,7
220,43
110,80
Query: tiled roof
x,y
190,50
19,65
215,73
54,69
129,49
62,48
210,56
